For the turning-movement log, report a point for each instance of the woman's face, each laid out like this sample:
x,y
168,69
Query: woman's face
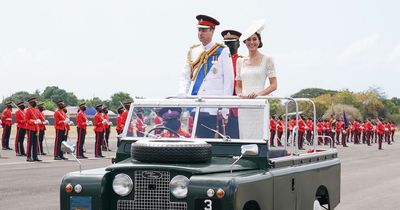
x,y
252,42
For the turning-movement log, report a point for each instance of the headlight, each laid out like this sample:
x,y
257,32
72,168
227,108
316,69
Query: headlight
x,y
122,184
179,186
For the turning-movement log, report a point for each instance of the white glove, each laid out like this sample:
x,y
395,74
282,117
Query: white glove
x,y
110,123
67,121
46,122
104,121
9,118
386,129
37,122
71,123
89,122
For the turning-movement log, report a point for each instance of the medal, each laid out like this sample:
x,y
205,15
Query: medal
x,y
214,70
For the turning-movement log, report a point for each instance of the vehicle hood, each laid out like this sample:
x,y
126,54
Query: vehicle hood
x,y
215,165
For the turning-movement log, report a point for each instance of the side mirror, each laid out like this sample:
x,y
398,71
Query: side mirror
x,y
67,147
249,150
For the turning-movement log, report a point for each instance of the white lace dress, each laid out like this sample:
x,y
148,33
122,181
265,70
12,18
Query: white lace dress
x,y
253,80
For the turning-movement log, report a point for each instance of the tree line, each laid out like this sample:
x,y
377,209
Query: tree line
x,y
52,94
371,103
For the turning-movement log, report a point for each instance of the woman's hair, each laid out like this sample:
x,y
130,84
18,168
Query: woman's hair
x,y
259,38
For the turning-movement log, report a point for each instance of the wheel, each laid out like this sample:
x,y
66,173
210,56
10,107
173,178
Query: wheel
x,y
171,151
162,128
317,205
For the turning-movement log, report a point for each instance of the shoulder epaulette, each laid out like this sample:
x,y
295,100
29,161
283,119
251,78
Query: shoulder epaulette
x,y
189,54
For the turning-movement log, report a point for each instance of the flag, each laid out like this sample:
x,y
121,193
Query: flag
x,y
345,120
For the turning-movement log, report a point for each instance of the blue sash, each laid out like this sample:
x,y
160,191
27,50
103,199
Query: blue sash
x,y
201,74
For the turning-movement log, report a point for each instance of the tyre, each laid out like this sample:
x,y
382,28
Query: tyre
x,y
171,151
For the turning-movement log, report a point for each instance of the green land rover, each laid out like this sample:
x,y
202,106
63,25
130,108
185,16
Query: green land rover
x,y
167,166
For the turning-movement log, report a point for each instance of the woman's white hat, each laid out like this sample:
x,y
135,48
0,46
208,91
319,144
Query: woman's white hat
x,y
256,26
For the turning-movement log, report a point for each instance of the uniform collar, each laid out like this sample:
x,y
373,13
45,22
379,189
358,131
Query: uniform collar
x,y
208,46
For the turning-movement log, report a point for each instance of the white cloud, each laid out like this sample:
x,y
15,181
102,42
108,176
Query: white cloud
x,y
358,47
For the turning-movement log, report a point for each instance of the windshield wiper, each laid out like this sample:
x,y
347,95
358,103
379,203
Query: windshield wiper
x,y
224,137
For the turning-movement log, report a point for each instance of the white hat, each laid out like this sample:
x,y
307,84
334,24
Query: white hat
x,y
256,26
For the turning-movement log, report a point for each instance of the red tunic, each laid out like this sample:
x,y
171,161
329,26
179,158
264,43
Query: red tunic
x,y
20,118
380,128
31,115
59,118
6,117
272,124
98,122
339,127
120,124
105,116
279,126
81,120
42,118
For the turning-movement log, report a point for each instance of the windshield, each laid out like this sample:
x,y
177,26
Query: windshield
x,y
204,122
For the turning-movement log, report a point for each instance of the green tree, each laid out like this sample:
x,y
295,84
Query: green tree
x,y
54,94
312,93
116,98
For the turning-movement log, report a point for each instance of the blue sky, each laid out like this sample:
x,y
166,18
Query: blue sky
x,y
97,48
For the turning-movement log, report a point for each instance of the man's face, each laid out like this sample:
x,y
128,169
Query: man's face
x,y
205,35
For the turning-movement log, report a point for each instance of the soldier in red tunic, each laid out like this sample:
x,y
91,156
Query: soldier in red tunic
x,y
99,122
42,127
120,125
60,123
6,121
279,128
380,128
231,40
32,126
21,129
81,125
106,145
272,129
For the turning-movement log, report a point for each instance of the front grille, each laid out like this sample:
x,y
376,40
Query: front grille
x,y
151,192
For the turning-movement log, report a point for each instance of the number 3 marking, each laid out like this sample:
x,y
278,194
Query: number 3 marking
x,y
209,204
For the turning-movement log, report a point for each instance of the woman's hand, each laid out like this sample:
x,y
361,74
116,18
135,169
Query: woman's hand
x,y
252,95
241,95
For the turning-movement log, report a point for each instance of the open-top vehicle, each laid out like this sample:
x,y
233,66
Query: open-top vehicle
x,y
168,167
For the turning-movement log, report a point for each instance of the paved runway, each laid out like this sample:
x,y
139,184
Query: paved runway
x,y
370,178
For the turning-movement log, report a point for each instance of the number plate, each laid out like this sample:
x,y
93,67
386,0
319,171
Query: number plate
x,y
207,204
81,203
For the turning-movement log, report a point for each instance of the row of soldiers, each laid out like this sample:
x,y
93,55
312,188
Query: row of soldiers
x,y
331,131
31,122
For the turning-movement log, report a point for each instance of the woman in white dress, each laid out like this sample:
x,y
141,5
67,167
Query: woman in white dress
x,y
251,75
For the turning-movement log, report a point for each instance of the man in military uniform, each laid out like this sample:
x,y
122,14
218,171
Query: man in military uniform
x,y
99,122
81,124
60,122
120,125
231,40
208,71
21,129
42,127
32,127
105,145
6,121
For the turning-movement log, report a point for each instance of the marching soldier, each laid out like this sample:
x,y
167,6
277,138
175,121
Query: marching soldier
x,y
61,121
369,130
32,127
393,130
208,71
302,129
21,129
124,115
81,124
158,121
68,125
310,129
279,128
42,127
272,129
105,145
120,124
140,124
380,128
231,40
6,122
320,131
99,122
